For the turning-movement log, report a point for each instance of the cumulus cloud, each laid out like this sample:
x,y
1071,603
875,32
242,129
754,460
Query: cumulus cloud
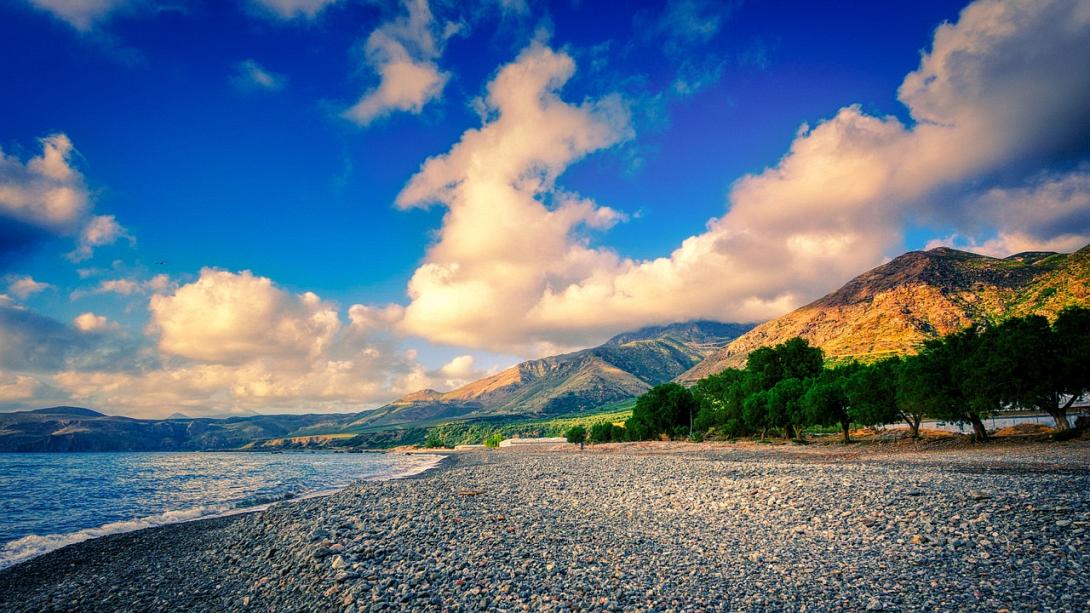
x,y
501,246
24,286
403,53
47,195
292,9
46,191
998,99
89,322
226,317
226,342
249,76
1050,213
81,14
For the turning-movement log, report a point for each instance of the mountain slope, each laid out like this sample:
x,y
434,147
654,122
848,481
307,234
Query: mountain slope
x,y
895,307
623,367
77,429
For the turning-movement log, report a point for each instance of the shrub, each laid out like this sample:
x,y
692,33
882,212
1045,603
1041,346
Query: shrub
x,y
494,440
434,442
605,432
577,434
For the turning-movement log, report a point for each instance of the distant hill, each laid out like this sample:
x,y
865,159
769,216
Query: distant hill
x,y
71,411
78,429
895,307
624,367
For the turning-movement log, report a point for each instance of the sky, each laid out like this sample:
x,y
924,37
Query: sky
x,y
274,206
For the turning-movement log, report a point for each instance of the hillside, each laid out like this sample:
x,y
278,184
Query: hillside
x,y
624,367
895,307
78,429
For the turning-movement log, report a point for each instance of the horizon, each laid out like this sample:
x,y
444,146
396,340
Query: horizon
x,y
380,198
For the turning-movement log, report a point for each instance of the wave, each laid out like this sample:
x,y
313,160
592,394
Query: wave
x,y
34,545
31,546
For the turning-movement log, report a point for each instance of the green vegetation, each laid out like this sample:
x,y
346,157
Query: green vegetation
x,y
964,377
493,441
665,409
475,432
576,434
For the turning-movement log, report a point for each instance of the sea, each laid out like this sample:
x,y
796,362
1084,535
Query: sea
x,y
49,500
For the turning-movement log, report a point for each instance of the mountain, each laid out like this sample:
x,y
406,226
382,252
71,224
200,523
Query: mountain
x,y
920,295
69,411
79,429
623,367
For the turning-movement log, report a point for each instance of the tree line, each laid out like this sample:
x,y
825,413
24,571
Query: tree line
x,y
1023,363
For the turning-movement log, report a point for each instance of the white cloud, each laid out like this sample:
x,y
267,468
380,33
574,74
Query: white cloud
x,y
226,342
81,14
1000,97
403,53
17,388
1050,213
501,246
158,284
49,195
249,75
89,322
123,287
369,319
227,317
46,191
100,231
24,286
292,9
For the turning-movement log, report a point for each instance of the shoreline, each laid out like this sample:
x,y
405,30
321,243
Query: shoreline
x,y
193,515
621,527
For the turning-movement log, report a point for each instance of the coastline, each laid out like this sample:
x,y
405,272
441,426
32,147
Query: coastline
x,y
645,526
209,511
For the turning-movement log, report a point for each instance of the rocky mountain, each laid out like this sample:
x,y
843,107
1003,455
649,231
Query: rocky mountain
x,y
624,367
895,307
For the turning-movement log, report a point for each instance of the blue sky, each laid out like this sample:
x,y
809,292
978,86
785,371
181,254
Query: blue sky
x,y
218,137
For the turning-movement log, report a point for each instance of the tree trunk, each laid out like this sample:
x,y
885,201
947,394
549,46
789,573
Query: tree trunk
x,y
1060,413
979,431
914,425
846,428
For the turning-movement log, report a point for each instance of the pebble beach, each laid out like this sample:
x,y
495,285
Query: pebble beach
x,y
622,528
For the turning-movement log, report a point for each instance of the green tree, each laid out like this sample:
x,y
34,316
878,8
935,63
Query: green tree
x,y
792,359
1072,338
720,397
826,402
660,410
755,412
605,432
493,440
784,405
576,434
874,396
945,381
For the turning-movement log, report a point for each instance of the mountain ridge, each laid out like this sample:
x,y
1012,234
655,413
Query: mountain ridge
x,y
623,367
893,308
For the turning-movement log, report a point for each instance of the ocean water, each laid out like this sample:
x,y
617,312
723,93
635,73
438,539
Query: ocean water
x,y
49,500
